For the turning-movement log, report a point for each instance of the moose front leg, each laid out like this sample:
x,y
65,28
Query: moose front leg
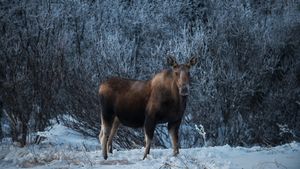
x,y
149,127
173,128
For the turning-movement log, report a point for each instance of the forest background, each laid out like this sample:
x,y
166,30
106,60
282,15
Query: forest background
x,y
245,88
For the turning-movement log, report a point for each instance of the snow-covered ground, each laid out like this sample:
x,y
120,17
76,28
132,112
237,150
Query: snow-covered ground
x,y
65,148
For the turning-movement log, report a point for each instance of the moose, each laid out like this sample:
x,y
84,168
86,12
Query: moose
x,y
137,103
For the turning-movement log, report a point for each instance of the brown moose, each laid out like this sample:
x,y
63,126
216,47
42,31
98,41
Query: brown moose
x,y
136,103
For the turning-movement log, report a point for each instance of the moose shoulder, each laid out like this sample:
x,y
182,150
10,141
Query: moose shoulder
x,y
135,103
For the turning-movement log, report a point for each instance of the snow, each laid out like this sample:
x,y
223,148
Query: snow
x,y
65,148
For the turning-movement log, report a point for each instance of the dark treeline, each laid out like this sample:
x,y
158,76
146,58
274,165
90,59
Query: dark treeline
x,y
245,89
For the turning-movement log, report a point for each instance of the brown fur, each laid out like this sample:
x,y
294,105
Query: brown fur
x,y
136,103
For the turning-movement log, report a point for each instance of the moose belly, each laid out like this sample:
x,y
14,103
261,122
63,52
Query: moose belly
x,y
130,113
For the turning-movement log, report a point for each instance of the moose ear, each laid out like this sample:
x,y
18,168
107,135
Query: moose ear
x,y
172,61
192,62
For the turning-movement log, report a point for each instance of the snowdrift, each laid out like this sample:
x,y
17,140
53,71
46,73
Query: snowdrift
x,y
65,148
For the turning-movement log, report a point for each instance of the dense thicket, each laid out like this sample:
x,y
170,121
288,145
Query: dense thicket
x,y
245,89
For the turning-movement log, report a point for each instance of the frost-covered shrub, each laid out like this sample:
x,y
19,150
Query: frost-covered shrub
x,y
55,54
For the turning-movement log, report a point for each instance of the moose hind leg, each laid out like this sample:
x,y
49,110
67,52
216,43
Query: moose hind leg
x,y
173,132
149,128
113,131
104,134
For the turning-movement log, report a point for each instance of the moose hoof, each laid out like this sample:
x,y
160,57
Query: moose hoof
x,y
144,156
175,153
105,157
